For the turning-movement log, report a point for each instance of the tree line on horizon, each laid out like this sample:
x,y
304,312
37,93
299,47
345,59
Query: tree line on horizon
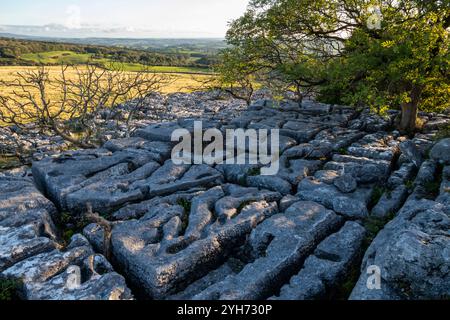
x,y
11,51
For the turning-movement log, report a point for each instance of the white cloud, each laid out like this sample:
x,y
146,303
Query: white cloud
x,y
73,20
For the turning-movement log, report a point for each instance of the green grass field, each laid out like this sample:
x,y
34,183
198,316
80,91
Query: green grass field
x,y
57,57
70,57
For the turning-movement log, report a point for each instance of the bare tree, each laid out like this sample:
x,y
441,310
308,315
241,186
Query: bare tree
x,y
69,104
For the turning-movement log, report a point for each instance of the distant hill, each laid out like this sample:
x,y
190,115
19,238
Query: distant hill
x,y
200,44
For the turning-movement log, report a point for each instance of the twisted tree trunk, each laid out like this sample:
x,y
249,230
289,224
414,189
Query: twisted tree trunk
x,y
408,121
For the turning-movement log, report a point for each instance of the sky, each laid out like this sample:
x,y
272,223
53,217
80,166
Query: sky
x,y
130,18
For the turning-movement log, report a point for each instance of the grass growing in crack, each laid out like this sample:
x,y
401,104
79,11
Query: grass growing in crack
x,y
186,205
70,225
409,184
389,194
342,151
243,205
377,193
343,291
9,289
432,188
242,181
373,226
254,172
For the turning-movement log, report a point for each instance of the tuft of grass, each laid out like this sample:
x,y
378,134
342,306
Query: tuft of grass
x,y
343,291
242,181
254,172
373,226
186,205
377,193
342,151
432,188
9,289
243,205
70,225
409,184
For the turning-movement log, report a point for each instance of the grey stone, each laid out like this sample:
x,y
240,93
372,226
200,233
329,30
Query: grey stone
x,y
426,173
279,245
152,207
95,234
441,151
350,208
108,286
352,205
26,226
229,206
412,153
346,183
328,267
364,170
158,132
326,176
19,243
18,196
315,107
161,267
390,202
106,195
444,191
273,183
287,201
402,175
412,254
295,170
43,266
237,173
64,175
198,286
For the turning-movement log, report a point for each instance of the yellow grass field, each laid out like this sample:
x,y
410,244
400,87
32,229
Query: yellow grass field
x,y
177,82
180,82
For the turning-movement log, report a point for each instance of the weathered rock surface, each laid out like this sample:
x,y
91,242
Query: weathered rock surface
x,y
441,152
328,266
390,202
30,253
412,254
278,246
226,231
162,256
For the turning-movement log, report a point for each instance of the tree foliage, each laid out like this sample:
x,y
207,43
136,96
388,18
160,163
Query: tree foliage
x,y
377,53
